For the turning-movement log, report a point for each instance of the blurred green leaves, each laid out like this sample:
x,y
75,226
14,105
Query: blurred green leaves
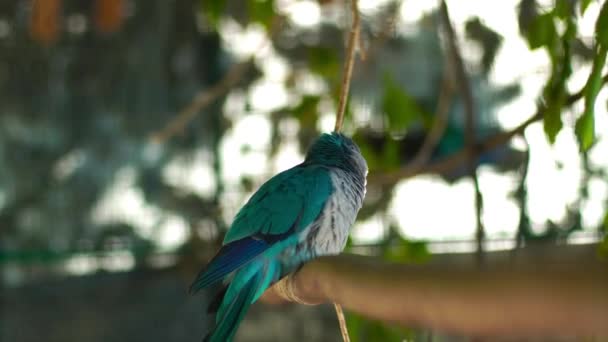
x,y
400,112
306,111
601,26
583,4
585,125
542,31
400,108
487,38
603,247
324,62
212,10
387,159
363,329
407,251
261,11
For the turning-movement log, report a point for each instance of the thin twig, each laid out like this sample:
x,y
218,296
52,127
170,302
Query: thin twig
x,y
202,100
460,74
521,196
206,96
470,114
348,65
439,124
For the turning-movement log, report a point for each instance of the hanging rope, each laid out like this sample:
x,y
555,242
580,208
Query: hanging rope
x,y
353,38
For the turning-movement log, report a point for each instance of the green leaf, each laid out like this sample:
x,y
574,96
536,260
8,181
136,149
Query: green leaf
x,y
603,246
564,8
555,91
354,323
373,162
585,128
363,329
542,31
552,122
583,5
400,108
489,40
390,155
324,62
408,251
602,249
261,11
212,10
306,111
601,26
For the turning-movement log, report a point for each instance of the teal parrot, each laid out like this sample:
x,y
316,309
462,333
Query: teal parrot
x,y
299,214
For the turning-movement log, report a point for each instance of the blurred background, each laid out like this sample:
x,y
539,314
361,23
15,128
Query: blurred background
x,y
131,131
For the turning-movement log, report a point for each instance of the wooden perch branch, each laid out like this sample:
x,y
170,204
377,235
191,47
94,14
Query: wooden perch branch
x,y
531,298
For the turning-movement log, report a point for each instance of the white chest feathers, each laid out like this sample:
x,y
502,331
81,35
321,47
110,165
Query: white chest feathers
x,y
329,234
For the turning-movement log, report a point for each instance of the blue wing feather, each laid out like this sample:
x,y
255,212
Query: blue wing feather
x,y
228,259
288,202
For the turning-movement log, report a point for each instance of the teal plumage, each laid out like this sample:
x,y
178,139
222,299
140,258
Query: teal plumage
x,y
299,214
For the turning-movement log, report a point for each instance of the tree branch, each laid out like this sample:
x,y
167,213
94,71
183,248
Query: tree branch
x,y
470,115
206,96
462,80
457,159
203,99
532,298
439,124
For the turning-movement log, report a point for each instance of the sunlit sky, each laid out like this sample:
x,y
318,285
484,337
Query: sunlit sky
x,y
426,207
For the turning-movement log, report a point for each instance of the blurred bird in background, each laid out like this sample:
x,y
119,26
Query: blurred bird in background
x,y
299,214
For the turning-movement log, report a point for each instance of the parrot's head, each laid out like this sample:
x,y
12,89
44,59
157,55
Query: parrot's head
x,y
337,150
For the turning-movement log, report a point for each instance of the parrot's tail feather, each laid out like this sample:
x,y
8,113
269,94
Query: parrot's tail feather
x,y
231,257
215,303
235,311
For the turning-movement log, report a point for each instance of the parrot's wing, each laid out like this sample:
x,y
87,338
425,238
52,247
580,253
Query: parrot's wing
x,y
285,204
228,259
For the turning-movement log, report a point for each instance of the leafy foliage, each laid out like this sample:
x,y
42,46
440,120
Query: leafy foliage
x,y
362,329
489,40
401,109
324,62
585,128
543,33
261,11
212,10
